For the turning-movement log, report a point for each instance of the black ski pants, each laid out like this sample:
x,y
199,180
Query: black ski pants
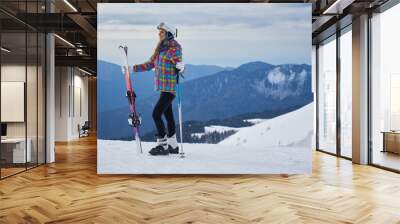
x,y
164,106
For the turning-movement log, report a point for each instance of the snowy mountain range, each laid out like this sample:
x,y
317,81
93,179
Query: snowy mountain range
x,y
111,84
251,88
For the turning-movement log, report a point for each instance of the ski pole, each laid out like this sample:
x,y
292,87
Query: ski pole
x,y
182,153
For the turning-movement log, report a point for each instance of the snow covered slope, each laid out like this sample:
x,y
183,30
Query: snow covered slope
x,y
291,129
121,157
278,145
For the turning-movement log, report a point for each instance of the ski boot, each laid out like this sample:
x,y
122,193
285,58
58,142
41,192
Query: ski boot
x,y
161,148
173,145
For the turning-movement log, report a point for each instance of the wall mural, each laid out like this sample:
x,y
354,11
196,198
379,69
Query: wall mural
x,y
204,88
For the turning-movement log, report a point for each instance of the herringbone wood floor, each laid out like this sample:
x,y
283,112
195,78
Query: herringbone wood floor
x,y
70,191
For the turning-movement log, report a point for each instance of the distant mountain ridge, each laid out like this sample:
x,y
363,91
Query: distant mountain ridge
x,y
111,84
251,88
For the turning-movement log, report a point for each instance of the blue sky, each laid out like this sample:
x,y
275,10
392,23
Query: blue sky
x,y
215,34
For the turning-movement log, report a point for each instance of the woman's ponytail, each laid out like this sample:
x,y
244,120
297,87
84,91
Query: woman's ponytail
x,y
156,51
161,44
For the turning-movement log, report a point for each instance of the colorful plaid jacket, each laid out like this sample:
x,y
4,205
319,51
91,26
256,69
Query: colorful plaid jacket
x,y
164,64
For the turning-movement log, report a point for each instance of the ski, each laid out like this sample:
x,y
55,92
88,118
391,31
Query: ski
x,y
134,119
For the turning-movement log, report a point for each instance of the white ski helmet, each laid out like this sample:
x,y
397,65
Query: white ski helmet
x,y
168,28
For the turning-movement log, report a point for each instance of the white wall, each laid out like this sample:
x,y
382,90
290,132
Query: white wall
x,y
80,110
12,73
13,101
61,103
71,87
33,126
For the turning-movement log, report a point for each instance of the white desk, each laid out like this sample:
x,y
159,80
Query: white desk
x,y
19,155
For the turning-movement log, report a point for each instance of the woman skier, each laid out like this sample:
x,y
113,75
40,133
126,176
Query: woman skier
x,y
167,62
